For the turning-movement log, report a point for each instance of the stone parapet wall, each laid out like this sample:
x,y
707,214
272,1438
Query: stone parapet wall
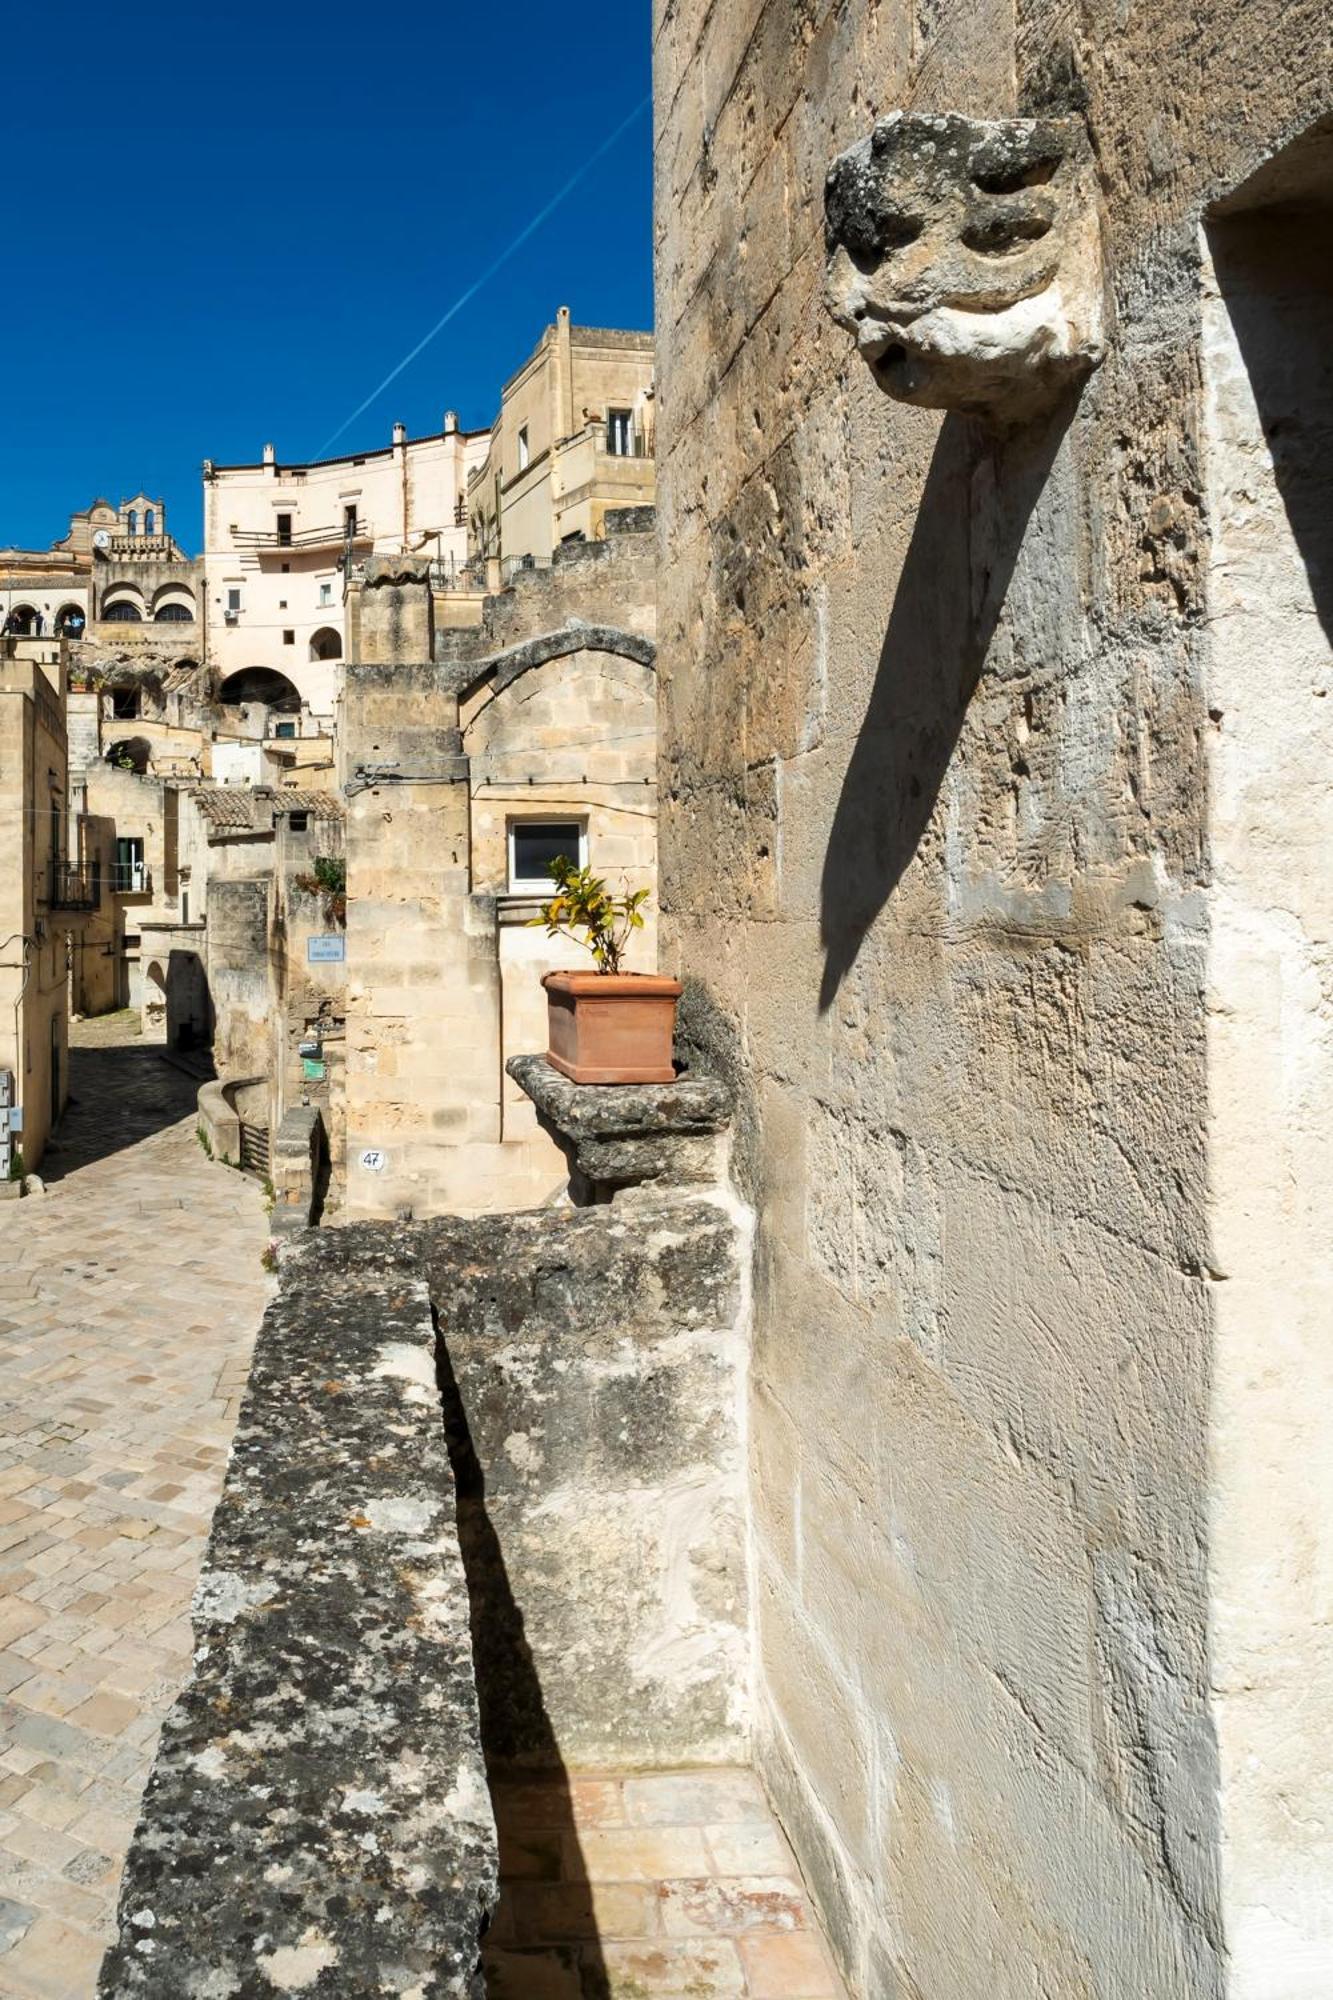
x,y
318,1820
597,1370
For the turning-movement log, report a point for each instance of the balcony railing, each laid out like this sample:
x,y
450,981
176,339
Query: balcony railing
x,y
332,536
131,878
75,885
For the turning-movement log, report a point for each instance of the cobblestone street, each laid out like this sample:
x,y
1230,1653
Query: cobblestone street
x,y
129,1298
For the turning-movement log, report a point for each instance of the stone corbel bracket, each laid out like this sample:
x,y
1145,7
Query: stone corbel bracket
x,y
965,255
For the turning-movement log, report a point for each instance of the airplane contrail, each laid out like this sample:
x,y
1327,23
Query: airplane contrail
x,y
528,230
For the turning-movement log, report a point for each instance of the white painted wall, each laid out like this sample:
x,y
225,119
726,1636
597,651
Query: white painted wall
x,y
405,496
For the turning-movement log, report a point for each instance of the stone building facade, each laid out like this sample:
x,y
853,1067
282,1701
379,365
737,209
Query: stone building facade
x,y
52,888
117,587
459,751
279,538
994,742
574,438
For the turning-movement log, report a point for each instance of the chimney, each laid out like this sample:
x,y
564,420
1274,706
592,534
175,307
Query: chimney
x,y
270,455
450,422
400,434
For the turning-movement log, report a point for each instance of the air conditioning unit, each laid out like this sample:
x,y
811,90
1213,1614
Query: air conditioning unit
x,y
231,617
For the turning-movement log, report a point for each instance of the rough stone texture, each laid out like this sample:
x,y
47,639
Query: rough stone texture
x,y
620,1135
965,258
396,619
545,711
598,1362
318,1819
299,1169
938,855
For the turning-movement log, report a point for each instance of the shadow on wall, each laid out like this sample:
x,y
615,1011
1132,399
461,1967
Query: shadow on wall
x,y
540,1851
961,559
1273,270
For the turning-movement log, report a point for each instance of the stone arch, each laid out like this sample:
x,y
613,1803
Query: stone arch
x,y
261,684
173,604
70,621
24,621
133,751
123,604
501,670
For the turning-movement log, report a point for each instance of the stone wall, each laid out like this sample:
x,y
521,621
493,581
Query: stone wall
x,y
317,1820
938,849
546,711
596,1365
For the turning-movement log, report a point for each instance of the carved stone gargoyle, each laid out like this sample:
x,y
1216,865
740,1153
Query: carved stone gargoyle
x,y
965,256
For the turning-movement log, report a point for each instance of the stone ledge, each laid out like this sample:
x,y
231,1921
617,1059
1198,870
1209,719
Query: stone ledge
x,y
618,1136
317,1818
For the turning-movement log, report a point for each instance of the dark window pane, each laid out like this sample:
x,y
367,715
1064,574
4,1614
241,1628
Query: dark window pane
x,y
537,843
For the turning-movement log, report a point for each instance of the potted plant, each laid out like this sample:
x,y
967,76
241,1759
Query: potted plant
x,y
607,1026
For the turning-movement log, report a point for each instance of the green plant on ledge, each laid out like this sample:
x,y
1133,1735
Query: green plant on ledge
x,y
584,911
330,881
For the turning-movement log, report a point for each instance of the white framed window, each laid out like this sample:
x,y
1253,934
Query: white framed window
x,y
535,843
326,593
524,455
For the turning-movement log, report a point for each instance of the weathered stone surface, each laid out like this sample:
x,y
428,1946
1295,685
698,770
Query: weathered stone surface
x,y
1018,956
598,1362
318,1819
621,1135
964,255
299,1169
693,1103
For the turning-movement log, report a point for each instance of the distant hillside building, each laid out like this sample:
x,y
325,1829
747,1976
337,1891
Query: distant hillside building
x,y
278,537
575,437
116,569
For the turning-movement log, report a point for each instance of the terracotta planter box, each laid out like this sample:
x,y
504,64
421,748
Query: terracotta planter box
x,y
612,1027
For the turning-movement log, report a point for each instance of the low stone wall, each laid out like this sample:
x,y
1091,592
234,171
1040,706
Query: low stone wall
x,y
299,1170
598,1367
317,1819
219,1124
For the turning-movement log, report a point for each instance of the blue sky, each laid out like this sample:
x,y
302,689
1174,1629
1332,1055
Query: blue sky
x,y
228,225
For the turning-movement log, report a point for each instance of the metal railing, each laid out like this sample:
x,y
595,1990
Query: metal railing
x,y
75,885
131,878
332,536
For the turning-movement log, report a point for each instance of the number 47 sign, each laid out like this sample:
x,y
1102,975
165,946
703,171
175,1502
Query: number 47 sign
x,y
373,1160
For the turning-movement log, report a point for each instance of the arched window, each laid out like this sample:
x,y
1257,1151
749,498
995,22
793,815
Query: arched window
x,y
325,644
150,522
70,621
123,613
24,622
173,614
134,520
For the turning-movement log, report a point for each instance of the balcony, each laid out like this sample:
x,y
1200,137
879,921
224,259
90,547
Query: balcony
x,y
74,886
278,541
131,878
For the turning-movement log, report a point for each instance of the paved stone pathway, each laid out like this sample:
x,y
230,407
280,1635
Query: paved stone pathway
x,y
650,1887
129,1298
